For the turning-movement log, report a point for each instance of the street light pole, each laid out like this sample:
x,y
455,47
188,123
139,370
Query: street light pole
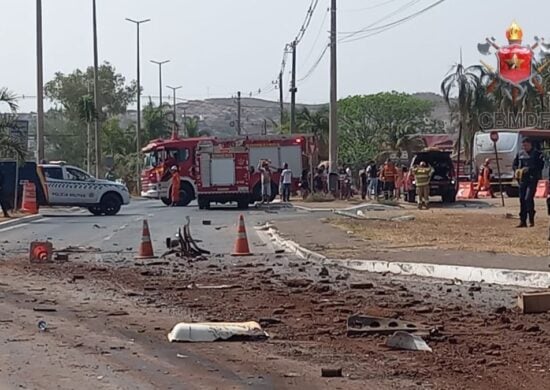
x,y
333,119
97,133
39,85
174,89
138,129
160,63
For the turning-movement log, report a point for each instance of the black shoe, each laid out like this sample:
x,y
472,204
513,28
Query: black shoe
x,y
522,225
532,224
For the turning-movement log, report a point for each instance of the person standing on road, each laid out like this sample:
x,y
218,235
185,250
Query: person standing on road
x,y
423,175
3,196
286,181
388,175
528,166
363,182
176,184
265,178
372,177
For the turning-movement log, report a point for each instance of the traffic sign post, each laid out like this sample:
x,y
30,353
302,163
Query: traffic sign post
x,y
494,138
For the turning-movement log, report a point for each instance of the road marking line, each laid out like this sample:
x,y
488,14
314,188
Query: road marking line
x,y
20,225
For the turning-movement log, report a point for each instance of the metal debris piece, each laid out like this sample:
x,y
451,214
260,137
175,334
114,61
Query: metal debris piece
x,y
331,372
215,331
407,341
42,326
216,287
184,245
361,325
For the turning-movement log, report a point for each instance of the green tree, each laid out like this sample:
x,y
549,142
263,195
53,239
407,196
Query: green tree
x,y
373,124
192,127
67,90
74,109
9,147
157,122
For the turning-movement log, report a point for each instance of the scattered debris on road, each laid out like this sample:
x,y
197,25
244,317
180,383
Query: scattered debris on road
x,y
534,302
184,245
364,325
215,331
407,341
331,372
44,309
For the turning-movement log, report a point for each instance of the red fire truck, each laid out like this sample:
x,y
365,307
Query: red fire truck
x,y
222,170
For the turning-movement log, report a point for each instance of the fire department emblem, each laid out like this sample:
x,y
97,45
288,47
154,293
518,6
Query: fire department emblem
x,y
517,67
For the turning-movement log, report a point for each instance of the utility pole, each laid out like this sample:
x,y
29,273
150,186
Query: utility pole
x,y
89,138
138,129
281,97
39,85
160,63
175,131
293,91
239,113
97,109
333,120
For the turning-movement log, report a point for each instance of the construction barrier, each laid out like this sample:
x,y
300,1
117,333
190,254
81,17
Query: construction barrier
x,y
29,204
465,190
241,245
146,246
543,188
485,194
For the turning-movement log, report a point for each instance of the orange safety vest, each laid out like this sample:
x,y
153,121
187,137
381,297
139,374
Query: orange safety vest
x,y
388,173
484,179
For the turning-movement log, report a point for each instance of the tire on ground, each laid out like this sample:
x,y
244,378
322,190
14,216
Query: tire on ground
x,y
187,194
95,210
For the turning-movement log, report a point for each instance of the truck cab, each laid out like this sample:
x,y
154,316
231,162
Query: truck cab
x,y
71,186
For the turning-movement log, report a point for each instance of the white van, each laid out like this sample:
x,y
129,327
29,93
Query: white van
x,y
508,147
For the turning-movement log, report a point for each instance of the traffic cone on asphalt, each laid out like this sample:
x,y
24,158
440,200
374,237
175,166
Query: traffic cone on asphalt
x,y
241,245
146,246
29,204
40,252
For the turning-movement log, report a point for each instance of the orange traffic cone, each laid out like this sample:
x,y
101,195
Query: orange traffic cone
x,y
241,245
29,204
40,252
146,247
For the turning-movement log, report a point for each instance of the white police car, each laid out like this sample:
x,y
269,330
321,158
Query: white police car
x,y
71,186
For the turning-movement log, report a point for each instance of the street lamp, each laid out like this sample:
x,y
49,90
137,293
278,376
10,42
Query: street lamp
x,y
160,63
39,85
97,133
138,130
174,89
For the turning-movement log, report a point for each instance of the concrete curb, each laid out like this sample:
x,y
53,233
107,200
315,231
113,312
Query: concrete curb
x,y
521,278
20,221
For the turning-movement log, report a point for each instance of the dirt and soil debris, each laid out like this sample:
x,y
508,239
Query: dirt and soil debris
x,y
479,340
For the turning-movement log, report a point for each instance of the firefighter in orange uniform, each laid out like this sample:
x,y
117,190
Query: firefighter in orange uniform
x,y
175,188
484,178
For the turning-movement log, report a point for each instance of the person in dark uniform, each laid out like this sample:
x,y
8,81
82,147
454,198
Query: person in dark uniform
x,y
3,196
528,166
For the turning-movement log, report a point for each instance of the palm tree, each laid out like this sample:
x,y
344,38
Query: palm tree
x,y
8,145
192,124
464,91
317,123
87,114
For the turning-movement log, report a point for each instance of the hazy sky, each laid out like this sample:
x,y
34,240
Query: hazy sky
x,y
217,47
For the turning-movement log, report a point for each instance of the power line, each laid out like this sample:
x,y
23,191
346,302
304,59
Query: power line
x,y
369,31
317,36
315,65
370,7
349,34
307,21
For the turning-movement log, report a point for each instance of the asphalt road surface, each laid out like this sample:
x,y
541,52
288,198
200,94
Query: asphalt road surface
x,y
117,237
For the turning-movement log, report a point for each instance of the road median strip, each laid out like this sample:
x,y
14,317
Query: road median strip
x,y
507,277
